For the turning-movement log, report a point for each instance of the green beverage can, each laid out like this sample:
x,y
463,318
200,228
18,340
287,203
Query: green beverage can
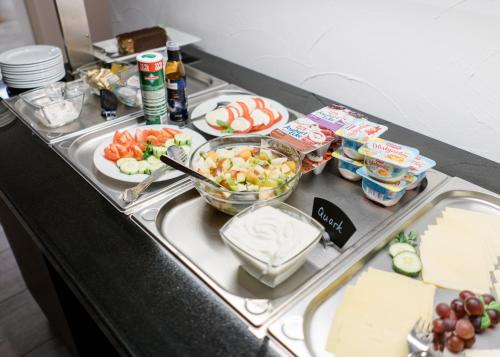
x,y
152,81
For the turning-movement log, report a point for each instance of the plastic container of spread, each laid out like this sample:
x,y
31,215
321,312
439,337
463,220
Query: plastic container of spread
x,y
387,161
354,135
418,168
347,166
386,194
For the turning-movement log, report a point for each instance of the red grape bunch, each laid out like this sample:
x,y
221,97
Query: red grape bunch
x,y
459,322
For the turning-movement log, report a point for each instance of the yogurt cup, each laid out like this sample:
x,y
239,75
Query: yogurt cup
x,y
347,166
387,161
386,194
419,167
355,134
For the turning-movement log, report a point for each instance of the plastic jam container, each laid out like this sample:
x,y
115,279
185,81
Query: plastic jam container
x,y
418,168
347,166
387,161
271,240
354,135
387,194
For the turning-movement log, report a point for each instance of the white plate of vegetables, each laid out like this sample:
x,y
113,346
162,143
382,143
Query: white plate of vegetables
x,y
131,156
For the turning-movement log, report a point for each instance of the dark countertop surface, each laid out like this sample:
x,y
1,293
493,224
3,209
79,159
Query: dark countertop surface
x,y
140,295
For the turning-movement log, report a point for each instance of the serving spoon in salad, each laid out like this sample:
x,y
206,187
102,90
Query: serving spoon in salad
x,y
173,161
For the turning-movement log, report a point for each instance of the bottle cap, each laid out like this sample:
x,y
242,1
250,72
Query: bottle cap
x,y
172,46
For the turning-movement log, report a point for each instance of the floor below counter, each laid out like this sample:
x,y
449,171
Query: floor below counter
x,y
24,329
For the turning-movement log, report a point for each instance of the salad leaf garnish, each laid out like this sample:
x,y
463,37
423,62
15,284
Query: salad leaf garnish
x,y
411,238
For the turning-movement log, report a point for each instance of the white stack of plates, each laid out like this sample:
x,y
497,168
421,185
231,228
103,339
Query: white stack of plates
x,y
32,66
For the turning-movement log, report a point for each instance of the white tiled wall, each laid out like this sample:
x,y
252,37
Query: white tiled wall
x,y
433,66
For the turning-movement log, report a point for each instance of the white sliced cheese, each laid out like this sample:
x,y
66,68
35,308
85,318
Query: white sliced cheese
x,y
241,124
260,117
217,115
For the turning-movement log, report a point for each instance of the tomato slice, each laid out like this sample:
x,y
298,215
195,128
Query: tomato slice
x,y
110,154
161,138
172,131
116,137
127,137
138,154
153,140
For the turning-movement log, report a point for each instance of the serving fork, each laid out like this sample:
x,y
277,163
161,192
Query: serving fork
x,y
419,339
131,194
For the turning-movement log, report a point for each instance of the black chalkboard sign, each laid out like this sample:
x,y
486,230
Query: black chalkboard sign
x,y
337,225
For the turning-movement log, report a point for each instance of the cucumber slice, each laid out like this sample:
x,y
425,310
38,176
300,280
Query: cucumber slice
x,y
130,167
169,142
396,248
159,151
120,162
407,263
153,160
182,139
144,167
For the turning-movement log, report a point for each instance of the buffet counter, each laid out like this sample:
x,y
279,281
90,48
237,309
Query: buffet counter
x,y
107,271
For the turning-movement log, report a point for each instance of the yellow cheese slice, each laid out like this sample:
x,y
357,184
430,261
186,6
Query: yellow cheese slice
x,y
496,275
377,313
452,258
486,228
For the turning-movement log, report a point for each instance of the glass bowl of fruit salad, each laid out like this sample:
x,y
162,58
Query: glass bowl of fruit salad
x,y
251,168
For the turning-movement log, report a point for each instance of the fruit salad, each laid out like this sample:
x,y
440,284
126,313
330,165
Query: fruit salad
x,y
247,169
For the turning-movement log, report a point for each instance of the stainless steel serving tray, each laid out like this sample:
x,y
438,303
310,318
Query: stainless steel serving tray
x,y
90,119
79,151
304,328
189,227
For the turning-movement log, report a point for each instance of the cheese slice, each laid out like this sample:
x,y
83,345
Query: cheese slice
x,y
485,226
482,353
377,313
451,259
496,275
461,236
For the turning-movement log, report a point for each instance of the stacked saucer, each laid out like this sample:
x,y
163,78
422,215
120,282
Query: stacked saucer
x,y
32,66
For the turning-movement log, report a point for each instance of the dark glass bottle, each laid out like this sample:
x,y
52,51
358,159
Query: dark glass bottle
x,y
175,76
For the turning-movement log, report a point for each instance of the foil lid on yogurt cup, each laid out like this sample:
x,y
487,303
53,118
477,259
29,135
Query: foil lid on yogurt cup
x,y
390,152
361,131
421,164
